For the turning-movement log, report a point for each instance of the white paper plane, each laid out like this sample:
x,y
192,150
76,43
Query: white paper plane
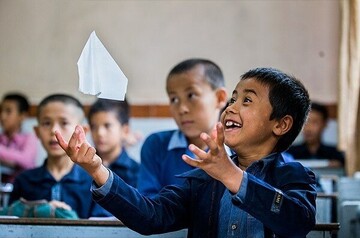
x,y
98,72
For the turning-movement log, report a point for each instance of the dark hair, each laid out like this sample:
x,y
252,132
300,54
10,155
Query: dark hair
x,y
213,73
120,108
321,109
20,99
64,98
287,96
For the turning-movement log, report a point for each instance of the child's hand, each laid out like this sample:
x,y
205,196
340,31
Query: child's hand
x,y
216,162
82,153
59,204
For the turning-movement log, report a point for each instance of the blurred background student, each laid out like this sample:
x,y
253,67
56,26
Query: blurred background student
x,y
17,148
313,147
63,184
109,124
196,92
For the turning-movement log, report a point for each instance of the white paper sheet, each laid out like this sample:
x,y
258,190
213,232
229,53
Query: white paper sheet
x,y
98,72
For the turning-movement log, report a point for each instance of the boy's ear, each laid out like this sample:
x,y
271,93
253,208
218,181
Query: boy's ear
x,y
221,95
283,125
125,129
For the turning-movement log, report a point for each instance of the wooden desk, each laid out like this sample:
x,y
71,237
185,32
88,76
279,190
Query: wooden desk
x,y
51,228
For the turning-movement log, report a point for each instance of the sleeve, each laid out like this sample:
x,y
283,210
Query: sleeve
x,y
288,209
167,212
23,157
105,188
241,194
148,179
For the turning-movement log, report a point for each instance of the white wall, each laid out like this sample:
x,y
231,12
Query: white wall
x,y
41,41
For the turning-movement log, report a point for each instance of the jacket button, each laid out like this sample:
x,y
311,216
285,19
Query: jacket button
x,y
233,227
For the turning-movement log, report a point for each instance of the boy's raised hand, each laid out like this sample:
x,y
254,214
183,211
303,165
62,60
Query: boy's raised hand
x,y
82,153
216,161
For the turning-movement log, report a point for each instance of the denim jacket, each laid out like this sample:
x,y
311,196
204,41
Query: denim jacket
x,y
280,195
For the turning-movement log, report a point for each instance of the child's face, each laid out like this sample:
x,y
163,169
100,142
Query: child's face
x,y
10,116
314,127
107,133
57,116
194,105
247,125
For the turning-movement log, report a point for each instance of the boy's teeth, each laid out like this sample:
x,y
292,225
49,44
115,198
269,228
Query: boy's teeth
x,y
231,123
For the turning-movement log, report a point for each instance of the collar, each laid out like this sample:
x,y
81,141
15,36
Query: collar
x,y
258,167
123,160
177,140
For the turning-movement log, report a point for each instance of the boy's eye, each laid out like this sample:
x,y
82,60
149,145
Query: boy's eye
x,y
231,101
107,125
45,124
246,99
64,123
173,100
191,95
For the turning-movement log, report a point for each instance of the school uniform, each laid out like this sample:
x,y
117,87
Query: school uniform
x,y
161,161
73,189
125,167
275,199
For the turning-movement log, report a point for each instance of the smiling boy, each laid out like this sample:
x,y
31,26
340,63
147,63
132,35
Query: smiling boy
x,y
252,194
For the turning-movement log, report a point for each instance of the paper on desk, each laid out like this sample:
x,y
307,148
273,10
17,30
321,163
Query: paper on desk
x,y
98,72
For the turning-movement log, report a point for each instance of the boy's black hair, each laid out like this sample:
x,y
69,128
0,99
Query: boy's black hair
x,y
287,96
21,101
321,109
64,98
214,75
120,108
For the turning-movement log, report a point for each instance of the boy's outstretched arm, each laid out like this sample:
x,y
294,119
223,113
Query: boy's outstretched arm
x,y
83,154
216,162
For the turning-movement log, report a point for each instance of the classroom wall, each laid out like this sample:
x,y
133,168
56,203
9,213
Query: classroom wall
x,y
41,41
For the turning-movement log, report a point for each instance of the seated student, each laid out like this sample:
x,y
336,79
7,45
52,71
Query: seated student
x,y
195,88
109,124
252,194
313,147
17,148
58,179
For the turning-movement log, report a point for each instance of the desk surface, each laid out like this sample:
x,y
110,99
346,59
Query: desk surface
x,y
86,222
59,222
55,228
44,227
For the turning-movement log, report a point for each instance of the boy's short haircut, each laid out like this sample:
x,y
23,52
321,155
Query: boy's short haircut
x,y
63,98
120,108
287,96
214,75
21,101
321,109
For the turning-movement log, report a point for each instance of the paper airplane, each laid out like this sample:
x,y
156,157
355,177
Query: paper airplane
x,y
99,74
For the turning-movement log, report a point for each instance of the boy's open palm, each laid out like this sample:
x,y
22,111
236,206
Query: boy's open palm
x,y
216,161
